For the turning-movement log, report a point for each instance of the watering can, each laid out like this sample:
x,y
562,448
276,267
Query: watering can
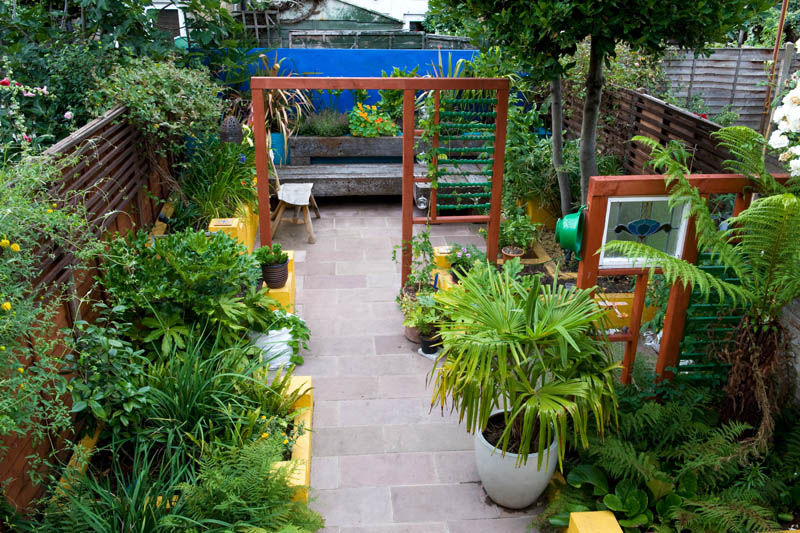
x,y
569,231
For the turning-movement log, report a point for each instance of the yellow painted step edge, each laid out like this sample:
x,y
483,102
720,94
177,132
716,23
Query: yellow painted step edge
x,y
301,452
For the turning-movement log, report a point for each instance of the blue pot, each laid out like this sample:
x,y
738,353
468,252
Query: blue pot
x,y
280,148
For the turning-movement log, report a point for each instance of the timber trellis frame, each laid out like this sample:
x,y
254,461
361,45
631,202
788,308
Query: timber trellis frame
x,y
409,86
601,188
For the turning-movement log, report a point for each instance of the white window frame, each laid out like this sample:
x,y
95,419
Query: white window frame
x,y
626,262
158,5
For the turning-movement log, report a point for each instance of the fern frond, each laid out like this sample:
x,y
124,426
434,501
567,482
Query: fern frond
x,y
747,148
716,514
769,244
677,270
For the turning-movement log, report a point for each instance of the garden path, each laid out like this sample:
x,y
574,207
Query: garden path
x,y
382,462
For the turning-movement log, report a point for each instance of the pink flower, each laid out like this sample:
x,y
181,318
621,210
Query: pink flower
x,y
18,84
26,137
43,90
68,115
27,93
5,82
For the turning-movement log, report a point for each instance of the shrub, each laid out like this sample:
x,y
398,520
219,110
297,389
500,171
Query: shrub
x,y
517,229
391,101
166,102
325,123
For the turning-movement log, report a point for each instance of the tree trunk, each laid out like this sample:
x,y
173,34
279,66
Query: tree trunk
x,y
591,111
557,125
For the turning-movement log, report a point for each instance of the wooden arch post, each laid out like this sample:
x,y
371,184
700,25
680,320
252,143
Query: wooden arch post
x,y
409,86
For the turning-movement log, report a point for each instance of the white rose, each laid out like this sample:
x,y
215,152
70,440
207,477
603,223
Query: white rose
x,y
794,150
778,140
794,167
779,114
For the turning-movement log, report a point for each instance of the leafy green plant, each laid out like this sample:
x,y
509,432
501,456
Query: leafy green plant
x,y
462,258
242,490
167,103
369,121
532,350
271,255
108,376
726,116
422,264
283,108
422,313
391,101
139,493
517,229
759,250
217,182
31,379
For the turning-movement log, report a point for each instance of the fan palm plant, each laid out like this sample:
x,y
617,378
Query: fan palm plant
x,y
761,248
532,350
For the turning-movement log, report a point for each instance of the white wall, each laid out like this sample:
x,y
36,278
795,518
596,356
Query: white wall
x,y
405,10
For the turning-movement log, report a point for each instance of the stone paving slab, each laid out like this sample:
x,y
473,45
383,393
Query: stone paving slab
x,y
382,460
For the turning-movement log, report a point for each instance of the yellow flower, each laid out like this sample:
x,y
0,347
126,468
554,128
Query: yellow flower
x,y
374,108
21,370
264,435
286,441
263,417
5,243
284,433
6,306
21,385
15,247
2,348
49,210
360,106
55,205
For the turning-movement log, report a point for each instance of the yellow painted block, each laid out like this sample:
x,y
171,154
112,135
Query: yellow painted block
x,y
301,452
593,522
76,463
250,220
286,294
232,226
159,228
290,253
440,254
538,213
620,304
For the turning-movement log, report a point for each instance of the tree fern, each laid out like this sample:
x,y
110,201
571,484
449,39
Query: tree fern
x,y
713,514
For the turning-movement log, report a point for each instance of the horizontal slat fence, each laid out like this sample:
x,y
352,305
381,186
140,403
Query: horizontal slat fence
x,y
120,190
728,76
625,114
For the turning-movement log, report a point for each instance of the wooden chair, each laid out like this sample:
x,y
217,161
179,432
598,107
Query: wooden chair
x,y
297,196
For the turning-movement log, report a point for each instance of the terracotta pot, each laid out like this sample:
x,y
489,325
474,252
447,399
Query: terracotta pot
x,y
510,252
275,276
412,334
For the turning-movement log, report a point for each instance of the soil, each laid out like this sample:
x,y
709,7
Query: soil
x,y
494,430
615,283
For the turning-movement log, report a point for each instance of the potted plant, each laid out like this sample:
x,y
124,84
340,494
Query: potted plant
x,y
462,258
423,316
520,362
517,234
283,109
274,265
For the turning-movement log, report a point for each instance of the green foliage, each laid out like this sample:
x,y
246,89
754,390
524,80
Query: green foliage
x,y
517,229
674,468
167,103
325,123
30,367
391,101
369,121
242,491
217,182
136,495
726,117
271,255
422,263
422,313
463,258
107,376
532,350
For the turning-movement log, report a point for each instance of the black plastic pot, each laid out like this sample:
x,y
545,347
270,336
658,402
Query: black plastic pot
x,y
430,344
275,276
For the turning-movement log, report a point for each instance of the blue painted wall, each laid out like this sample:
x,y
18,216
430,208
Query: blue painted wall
x,y
354,63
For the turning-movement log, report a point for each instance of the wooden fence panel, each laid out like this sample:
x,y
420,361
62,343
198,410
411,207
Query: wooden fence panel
x,y
729,76
120,190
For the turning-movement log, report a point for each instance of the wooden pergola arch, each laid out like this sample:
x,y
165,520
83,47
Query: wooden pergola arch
x,y
409,86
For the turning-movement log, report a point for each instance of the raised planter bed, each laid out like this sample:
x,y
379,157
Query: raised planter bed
x,y
304,149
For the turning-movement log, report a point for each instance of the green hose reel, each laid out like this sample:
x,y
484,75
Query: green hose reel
x,y
569,231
